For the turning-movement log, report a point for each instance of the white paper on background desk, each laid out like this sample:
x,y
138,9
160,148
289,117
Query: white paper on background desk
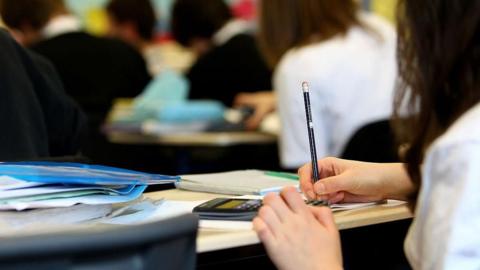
x,y
152,127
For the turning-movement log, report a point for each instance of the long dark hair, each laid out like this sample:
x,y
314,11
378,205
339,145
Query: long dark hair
x,y
285,24
439,65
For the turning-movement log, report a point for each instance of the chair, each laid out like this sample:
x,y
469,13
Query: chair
x,y
374,142
167,244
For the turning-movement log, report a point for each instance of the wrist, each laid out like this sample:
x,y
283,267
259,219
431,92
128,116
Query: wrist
x,y
396,181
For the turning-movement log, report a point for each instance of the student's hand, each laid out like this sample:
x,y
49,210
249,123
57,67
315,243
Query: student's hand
x,y
297,236
354,181
263,103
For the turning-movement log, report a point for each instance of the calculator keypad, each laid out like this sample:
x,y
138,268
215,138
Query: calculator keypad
x,y
251,205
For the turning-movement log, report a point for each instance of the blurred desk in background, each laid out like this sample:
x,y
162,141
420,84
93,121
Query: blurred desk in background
x,y
193,139
187,152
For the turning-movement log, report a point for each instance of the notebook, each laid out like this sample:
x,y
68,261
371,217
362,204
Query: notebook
x,y
242,182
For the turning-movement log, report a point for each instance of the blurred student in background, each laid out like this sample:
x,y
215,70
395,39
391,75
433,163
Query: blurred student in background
x,y
346,55
134,21
94,70
228,58
38,120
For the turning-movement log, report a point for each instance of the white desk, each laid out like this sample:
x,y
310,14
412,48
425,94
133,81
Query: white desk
x,y
213,240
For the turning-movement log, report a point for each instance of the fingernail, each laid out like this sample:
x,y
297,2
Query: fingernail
x,y
311,194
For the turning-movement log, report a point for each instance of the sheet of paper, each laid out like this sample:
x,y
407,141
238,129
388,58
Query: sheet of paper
x,y
337,206
225,225
9,183
66,202
51,189
13,220
151,211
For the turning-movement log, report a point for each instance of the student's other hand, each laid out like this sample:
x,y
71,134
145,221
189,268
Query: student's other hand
x,y
297,236
355,181
263,103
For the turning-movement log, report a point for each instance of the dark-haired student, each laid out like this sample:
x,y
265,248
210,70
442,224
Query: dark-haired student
x,y
440,73
134,22
94,70
229,61
37,119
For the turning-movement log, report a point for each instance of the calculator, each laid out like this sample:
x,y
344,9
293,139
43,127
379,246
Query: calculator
x,y
228,209
235,209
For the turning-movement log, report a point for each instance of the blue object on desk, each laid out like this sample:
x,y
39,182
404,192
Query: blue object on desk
x,y
166,87
78,173
191,111
165,100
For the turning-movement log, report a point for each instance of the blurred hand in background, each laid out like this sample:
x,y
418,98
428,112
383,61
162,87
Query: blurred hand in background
x,y
262,103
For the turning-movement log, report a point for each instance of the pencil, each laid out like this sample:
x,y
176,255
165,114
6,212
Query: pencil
x,y
311,134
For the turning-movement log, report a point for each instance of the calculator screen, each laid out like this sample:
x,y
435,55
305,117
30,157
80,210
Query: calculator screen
x,y
230,204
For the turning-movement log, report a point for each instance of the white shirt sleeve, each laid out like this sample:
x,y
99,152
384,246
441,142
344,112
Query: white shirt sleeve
x,y
446,232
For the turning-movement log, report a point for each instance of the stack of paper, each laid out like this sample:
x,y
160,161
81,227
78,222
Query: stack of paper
x,y
27,185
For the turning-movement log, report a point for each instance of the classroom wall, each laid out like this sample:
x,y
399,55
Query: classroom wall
x,y
385,8
93,15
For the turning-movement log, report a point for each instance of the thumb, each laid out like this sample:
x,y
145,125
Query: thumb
x,y
253,122
333,184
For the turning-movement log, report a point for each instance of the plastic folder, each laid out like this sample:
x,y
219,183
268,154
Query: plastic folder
x,y
82,174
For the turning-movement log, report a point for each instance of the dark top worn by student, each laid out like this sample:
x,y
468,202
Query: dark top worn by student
x,y
228,69
37,119
95,70
229,61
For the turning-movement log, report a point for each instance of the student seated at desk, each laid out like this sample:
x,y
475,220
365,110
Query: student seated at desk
x,y
228,58
134,21
347,56
440,71
94,70
38,120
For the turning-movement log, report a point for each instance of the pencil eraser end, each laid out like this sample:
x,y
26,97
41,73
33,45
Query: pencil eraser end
x,y
305,86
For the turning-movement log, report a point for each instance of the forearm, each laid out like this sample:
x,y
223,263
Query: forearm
x,y
396,181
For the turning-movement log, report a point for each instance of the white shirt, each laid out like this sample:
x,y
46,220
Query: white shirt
x,y
446,231
232,28
60,25
351,80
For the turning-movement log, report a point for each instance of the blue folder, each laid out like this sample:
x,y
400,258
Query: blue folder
x,y
80,174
